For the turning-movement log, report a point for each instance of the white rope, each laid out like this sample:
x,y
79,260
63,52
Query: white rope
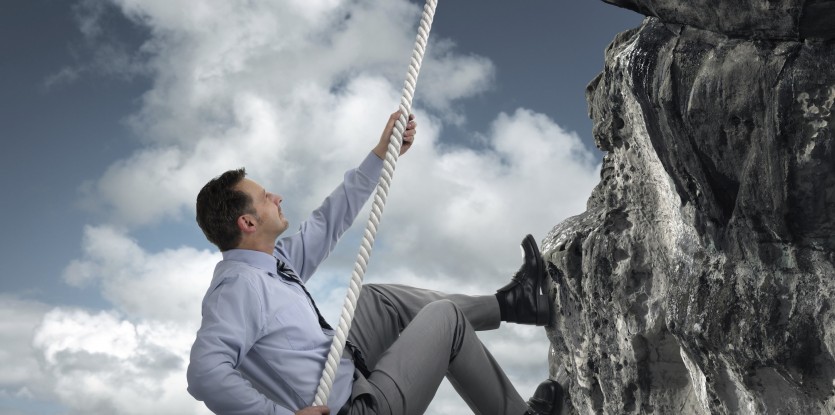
x,y
383,185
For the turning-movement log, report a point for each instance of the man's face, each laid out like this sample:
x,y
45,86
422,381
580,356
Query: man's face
x,y
267,208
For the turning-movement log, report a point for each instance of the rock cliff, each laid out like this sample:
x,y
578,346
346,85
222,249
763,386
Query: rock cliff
x,y
701,278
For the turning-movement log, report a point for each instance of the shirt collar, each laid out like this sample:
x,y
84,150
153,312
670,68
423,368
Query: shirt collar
x,y
257,259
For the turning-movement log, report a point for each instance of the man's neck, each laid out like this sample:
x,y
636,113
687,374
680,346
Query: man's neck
x,y
261,246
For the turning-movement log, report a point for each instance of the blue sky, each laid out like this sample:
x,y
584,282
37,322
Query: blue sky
x,y
114,113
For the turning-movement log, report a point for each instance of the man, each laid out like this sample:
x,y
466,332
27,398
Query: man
x,y
262,344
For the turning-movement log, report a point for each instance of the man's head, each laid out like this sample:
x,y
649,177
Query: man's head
x,y
236,212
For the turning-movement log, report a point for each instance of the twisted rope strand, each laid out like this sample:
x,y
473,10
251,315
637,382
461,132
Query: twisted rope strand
x,y
383,186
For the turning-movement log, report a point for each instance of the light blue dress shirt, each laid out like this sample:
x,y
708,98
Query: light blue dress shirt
x,y
260,349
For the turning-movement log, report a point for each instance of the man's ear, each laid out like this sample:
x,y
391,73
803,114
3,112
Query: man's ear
x,y
247,223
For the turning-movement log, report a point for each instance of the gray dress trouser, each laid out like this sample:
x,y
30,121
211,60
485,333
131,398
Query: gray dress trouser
x,y
411,338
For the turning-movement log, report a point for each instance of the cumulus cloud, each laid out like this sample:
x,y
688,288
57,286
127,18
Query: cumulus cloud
x,y
164,286
100,53
127,360
21,377
474,206
101,363
275,86
295,91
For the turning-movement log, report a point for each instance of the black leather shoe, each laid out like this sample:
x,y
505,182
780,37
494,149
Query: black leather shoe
x,y
525,299
547,399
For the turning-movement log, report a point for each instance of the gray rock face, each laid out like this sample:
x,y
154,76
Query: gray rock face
x,y
765,19
701,278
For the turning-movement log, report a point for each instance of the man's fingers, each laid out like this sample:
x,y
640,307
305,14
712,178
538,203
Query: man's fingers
x,y
392,119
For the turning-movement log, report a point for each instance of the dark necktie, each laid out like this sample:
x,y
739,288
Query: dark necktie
x,y
287,274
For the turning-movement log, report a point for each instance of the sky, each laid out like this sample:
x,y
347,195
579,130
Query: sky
x,y
113,114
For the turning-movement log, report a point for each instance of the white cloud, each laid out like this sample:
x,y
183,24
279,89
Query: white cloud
x,y
100,53
297,92
101,363
128,360
454,76
21,375
164,286
461,214
267,85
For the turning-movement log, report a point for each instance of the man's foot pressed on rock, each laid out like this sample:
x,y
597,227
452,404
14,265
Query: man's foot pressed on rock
x,y
525,299
547,399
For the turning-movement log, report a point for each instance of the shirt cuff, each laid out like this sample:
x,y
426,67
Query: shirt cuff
x,y
371,167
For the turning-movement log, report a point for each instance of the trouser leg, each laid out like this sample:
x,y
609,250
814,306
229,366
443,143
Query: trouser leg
x,y
384,310
438,340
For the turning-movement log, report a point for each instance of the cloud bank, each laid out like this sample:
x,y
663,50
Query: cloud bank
x,y
297,91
